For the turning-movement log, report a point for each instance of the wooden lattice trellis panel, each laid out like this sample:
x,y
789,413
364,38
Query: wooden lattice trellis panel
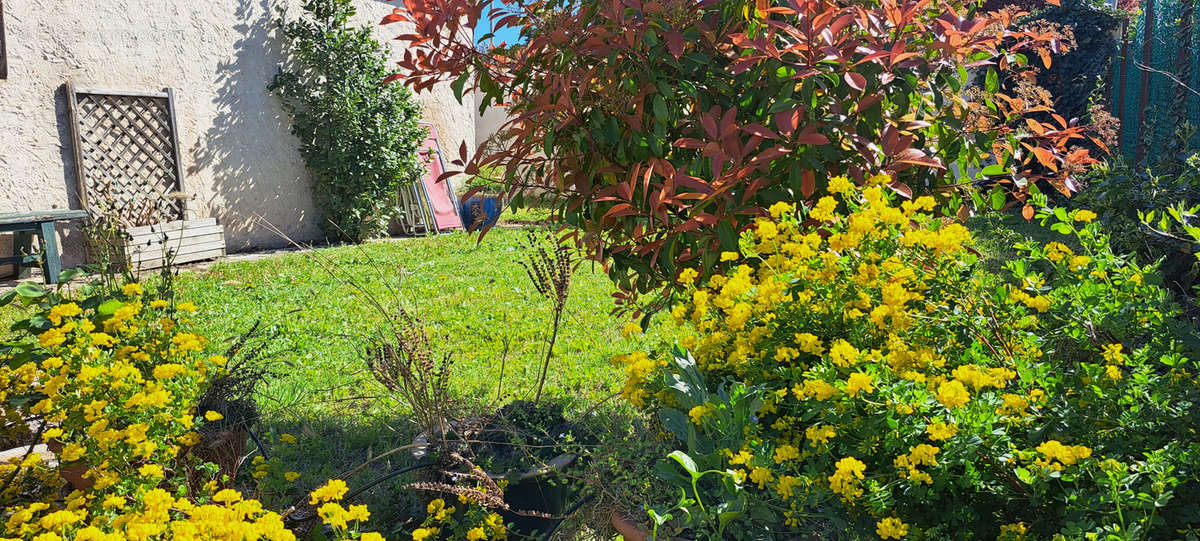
x,y
127,155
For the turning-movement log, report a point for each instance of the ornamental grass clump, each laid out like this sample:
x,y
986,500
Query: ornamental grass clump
x,y
111,383
859,371
548,264
402,360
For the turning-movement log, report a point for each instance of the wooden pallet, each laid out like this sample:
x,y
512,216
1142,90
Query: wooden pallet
x,y
187,240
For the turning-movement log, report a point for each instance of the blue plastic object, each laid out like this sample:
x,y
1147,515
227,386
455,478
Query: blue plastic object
x,y
478,212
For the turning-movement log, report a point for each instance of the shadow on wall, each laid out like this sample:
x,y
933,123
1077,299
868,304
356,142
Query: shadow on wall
x,y
258,175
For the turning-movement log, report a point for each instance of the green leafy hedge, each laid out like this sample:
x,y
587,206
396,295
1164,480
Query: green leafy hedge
x,y
359,137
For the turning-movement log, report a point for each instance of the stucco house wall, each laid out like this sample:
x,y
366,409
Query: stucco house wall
x,y
240,162
488,123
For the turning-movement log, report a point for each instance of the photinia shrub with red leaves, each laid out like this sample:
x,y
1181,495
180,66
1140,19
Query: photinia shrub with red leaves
x,y
662,128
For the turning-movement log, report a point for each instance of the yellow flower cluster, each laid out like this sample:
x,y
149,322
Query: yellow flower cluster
x,y
447,522
845,331
845,480
891,528
909,463
639,369
1057,455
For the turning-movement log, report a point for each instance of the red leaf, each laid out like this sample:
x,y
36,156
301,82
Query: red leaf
x,y
1078,155
710,125
688,142
1035,126
912,156
867,102
397,15
760,130
1027,212
808,183
901,188
855,80
622,209
675,44
392,77
812,139
768,154
787,121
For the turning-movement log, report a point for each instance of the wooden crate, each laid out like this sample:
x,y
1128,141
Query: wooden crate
x,y
188,240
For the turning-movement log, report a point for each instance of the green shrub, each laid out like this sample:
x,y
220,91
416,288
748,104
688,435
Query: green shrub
x,y
1121,194
358,136
869,378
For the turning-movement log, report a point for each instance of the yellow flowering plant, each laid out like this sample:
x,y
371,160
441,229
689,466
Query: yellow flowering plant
x,y
466,519
111,381
860,370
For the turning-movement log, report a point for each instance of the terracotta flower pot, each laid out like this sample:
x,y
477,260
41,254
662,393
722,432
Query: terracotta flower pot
x,y
74,472
630,529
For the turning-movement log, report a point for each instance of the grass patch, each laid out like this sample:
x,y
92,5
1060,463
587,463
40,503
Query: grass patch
x,y
472,295
995,235
525,216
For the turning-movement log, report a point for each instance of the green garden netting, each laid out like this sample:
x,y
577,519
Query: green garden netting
x,y
1168,103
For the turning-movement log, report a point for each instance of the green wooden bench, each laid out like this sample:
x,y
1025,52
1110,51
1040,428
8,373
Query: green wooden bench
x,y
24,227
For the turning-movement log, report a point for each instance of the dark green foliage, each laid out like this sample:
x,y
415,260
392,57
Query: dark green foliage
x,y
358,136
1119,192
1079,73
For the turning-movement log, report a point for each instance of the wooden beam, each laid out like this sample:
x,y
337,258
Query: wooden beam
x,y
41,216
183,204
1123,73
125,93
76,146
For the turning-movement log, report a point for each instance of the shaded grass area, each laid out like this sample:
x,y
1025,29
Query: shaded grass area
x,y
996,234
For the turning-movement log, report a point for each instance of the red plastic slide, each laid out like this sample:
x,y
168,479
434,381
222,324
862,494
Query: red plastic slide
x,y
441,196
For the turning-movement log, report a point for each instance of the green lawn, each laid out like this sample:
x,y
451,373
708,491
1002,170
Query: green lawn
x,y
473,296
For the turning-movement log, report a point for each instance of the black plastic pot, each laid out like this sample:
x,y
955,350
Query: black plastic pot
x,y
544,490
540,490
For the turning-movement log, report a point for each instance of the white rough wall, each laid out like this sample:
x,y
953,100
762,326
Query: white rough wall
x,y
488,123
239,160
